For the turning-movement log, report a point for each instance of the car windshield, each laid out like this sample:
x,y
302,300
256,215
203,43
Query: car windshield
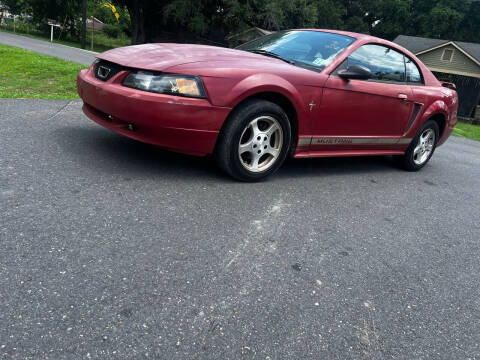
x,y
312,49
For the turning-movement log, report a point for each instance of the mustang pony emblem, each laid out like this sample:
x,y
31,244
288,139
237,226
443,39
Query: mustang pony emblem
x,y
103,72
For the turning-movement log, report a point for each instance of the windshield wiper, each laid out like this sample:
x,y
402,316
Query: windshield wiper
x,y
271,54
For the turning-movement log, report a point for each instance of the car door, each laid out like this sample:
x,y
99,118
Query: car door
x,y
352,112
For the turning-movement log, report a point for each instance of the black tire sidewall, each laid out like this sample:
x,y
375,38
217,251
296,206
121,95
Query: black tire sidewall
x,y
234,129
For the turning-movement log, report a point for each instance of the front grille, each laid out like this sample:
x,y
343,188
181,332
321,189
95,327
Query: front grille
x,y
105,70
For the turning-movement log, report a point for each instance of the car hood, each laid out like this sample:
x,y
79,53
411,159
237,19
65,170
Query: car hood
x,y
159,57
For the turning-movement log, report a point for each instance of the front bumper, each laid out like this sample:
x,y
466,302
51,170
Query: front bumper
x,y
181,124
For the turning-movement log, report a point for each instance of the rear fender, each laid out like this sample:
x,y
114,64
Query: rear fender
x,y
435,108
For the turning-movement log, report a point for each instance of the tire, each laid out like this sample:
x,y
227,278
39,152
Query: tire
x,y
254,141
422,147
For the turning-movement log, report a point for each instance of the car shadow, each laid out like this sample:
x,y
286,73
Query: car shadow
x,y
106,152
337,166
103,151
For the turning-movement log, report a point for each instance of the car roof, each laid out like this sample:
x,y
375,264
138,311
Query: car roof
x,y
340,32
358,36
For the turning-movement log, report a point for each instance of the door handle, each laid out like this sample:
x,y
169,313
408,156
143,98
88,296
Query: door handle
x,y
402,97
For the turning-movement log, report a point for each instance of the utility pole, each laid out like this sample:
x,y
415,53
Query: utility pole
x,y
93,29
84,23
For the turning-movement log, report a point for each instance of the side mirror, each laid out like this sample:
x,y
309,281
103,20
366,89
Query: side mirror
x,y
355,72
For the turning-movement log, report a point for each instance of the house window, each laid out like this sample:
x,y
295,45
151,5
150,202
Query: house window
x,y
447,55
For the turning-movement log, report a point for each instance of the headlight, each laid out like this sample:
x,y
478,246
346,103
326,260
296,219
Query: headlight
x,y
181,85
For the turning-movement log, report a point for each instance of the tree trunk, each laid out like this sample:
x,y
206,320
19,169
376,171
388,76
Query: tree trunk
x,y
138,22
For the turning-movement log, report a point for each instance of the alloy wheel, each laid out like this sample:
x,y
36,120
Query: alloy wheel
x,y
424,148
260,144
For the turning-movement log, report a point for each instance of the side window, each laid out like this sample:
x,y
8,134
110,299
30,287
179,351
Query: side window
x,y
385,64
413,72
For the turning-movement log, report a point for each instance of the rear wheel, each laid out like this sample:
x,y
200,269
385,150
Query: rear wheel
x,y
422,147
255,140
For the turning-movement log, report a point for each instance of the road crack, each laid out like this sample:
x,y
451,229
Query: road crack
x,y
59,110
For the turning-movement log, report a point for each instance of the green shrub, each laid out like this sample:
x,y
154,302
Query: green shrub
x,y
112,31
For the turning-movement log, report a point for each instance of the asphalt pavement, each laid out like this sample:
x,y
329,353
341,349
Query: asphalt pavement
x,y
110,248
69,53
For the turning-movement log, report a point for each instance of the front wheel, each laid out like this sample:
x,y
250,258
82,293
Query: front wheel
x,y
254,141
422,147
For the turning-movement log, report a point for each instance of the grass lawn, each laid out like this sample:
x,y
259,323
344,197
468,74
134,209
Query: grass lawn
x,y
467,131
25,74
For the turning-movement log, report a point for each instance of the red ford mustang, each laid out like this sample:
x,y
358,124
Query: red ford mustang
x,y
300,93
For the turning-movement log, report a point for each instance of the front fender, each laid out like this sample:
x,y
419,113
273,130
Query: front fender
x,y
299,95
259,83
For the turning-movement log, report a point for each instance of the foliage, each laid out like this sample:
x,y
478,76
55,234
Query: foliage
x,y
26,74
16,6
449,19
213,20
112,30
98,9
68,14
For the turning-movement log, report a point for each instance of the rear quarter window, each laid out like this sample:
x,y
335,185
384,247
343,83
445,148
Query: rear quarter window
x,y
413,72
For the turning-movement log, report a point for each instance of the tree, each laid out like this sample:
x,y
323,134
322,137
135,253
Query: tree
x,y
470,26
391,18
211,21
17,7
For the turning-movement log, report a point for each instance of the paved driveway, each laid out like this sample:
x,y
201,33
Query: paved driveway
x,y
115,249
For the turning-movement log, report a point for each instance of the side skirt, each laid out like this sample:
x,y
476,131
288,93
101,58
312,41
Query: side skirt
x,y
329,146
346,153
